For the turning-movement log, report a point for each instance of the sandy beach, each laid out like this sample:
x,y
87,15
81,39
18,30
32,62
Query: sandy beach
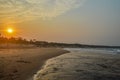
x,y
54,64
22,64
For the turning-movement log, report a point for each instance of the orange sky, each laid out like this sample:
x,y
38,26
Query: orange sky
x,y
76,21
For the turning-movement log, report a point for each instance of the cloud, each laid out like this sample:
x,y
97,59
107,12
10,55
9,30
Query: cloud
x,y
21,10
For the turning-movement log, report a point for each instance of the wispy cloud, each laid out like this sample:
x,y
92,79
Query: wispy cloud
x,y
21,10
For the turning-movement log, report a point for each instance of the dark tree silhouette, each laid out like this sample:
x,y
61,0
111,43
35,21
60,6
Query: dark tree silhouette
x,y
20,40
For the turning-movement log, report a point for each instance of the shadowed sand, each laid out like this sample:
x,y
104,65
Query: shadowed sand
x,y
21,64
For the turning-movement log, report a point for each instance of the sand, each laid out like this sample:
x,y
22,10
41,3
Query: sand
x,y
22,64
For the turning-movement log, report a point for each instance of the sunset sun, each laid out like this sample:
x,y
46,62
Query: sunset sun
x,y
10,30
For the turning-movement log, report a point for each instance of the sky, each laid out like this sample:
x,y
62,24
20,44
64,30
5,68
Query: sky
x,y
69,21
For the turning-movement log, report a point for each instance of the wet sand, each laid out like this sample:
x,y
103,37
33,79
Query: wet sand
x,y
22,64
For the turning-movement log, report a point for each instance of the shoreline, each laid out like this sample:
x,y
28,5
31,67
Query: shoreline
x,y
42,66
44,63
81,65
22,64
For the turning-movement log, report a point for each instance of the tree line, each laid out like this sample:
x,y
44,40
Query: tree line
x,y
20,40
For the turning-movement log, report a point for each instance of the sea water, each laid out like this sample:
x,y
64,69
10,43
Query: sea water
x,y
71,65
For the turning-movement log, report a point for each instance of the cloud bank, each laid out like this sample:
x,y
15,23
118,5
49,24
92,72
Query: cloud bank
x,y
21,10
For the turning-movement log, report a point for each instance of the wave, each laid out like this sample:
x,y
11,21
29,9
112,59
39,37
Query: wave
x,y
78,64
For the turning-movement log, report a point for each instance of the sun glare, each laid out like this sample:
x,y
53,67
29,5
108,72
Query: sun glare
x,y
10,30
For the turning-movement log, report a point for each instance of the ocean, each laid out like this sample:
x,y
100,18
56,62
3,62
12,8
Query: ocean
x,y
82,64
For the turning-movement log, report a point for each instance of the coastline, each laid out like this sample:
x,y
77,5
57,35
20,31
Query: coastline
x,y
21,64
81,65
